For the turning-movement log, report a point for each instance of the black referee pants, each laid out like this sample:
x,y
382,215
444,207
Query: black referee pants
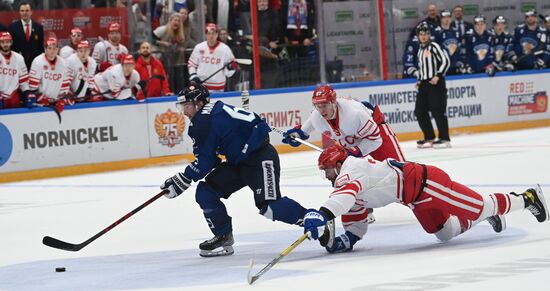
x,y
432,99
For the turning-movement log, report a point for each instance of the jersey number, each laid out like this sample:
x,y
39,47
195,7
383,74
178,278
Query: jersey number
x,y
239,113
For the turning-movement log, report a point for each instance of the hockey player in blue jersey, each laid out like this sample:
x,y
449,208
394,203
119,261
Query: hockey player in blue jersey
x,y
503,47
449,39
546,20
529,43
479,56
243,138
410,58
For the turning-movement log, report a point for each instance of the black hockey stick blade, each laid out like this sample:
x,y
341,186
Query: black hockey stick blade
x,y
58,244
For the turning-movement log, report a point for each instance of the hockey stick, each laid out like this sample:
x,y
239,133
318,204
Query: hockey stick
x,y
297,139
238,61
252,279
58,244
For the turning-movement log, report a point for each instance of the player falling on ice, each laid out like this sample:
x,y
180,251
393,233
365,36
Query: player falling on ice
x,y
358,126
442,206
243,137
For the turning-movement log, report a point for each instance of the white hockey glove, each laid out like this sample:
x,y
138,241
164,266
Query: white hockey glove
x,y
175,185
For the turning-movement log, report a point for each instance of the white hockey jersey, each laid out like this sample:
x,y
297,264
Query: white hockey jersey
x,y
114,84
105,51
354,126
52,79
13,74
205,60
66,51
363,183
82,74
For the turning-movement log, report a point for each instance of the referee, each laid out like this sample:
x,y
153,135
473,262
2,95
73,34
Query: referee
x,y
433,63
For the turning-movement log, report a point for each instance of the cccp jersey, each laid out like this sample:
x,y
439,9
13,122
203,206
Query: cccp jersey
x,y
206,60
83,74
353,126
363,183
105,51
50,78
114,84
13,74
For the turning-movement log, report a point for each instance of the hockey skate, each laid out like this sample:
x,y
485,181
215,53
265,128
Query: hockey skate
x,y
535,203
424,143
221,245
370,217
441,144
498,222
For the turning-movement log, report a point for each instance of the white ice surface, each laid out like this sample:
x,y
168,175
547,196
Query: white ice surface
x,y
158,247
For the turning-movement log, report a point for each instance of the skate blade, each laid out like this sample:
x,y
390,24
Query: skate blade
x,y
543,200
217,252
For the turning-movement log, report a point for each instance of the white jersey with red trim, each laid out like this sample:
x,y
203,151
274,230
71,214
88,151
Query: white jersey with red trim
x,y
105,51
66,51
363,183
13,74
50,78
81,73
206,60
115,83
354,126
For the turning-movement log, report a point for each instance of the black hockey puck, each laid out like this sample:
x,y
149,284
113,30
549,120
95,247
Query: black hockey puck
x,y
60,269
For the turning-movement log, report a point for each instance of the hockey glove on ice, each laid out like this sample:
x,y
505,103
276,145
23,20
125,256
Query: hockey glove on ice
x,y
343,243
175,185
314,222
293,133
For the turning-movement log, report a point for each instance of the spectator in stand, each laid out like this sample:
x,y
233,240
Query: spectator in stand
x,y
138,24
479,51
154,82
28,36
432,20
170,40
50,78
459,23
243,8
179,4
223,13
190,41
83,67
68,50
160,14
211,59
269,38
16,80
529,43
118,82
106,53
298,22
449,39
196,32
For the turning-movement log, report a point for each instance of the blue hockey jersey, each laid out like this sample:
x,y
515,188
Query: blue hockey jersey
x,y
450,40
410,58
219,128
503,46
528,42
478,50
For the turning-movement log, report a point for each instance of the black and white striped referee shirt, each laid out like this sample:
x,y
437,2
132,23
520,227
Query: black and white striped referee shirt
x,y
432,61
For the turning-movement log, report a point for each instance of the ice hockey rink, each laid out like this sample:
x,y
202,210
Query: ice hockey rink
x,y
157,249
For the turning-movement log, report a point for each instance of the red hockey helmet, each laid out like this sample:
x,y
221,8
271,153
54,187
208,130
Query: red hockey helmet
x,y
331,156
324,94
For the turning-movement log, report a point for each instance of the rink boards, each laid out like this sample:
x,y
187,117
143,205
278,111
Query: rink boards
x,y
116,135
